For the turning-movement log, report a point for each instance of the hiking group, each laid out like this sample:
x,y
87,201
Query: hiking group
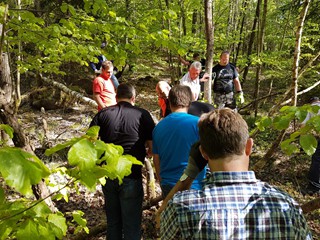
x,y
201,160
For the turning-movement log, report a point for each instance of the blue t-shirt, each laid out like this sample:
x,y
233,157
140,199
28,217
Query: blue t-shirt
x,y
172,140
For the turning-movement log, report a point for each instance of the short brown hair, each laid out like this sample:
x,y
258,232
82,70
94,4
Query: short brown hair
x,y
106,64
223,132
180,96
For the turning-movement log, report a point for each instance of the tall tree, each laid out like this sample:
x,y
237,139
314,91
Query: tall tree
x,y
210,43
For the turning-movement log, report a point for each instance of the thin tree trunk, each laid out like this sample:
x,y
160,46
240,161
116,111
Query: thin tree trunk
x,y
210,44
7,116
244,7
260,52
251,40
295,69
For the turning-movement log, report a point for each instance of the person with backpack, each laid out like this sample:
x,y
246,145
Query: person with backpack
x,y
104,90
96,67
225,81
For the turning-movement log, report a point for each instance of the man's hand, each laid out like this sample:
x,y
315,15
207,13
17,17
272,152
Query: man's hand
x,y
240,98
205,77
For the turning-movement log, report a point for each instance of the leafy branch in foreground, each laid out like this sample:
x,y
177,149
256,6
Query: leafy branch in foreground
x,y
304,134
90,161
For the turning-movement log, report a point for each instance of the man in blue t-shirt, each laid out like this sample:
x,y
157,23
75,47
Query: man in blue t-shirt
x,y
172,140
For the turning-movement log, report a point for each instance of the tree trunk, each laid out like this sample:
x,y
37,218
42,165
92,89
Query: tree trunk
x,y
260,51
210,43
295,69
251,40
243,13
7,116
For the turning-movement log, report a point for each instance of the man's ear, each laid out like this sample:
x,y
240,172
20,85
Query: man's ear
x,y
133,99
204,155
249,145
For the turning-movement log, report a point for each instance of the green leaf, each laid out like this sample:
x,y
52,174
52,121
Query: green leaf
x,y
58,224
263,123
309,143
21,169
282,122
119,167
288,147
93,131
59,147
8,130
2,196
83,154
27,230
64,7
77,217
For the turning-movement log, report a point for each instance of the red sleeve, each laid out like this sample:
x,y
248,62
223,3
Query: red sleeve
x,y
97,85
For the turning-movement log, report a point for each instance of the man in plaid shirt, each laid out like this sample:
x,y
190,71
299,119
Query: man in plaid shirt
x,y
233,204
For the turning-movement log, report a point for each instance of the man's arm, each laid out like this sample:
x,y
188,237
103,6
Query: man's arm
x,y
96,97
149,148
156,162
237,84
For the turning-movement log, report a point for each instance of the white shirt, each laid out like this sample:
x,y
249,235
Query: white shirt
x,y
193,84
310,115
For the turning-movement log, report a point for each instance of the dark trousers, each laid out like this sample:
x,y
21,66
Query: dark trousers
x,y
314,171
123,204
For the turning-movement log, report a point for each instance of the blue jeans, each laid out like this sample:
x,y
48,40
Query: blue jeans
x,y
314,171
123,205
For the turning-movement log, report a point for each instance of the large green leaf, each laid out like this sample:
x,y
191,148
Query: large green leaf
x,y
21,169
121,166
83,154
309,143
59,147
58,224
8,130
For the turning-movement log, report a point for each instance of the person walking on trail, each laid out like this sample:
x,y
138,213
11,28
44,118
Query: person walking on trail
x,y
225,81
191,79
104,91
172,140
131,127
314,170
162,89
232,204
96,67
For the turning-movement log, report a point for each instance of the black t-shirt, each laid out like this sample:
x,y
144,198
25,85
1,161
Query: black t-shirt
x,y
197,108
128,126
223,78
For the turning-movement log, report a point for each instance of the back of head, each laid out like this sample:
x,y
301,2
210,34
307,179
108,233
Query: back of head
x,y
163,88
223,133
180,96
125,91
196,65
107,65
314,99
195,55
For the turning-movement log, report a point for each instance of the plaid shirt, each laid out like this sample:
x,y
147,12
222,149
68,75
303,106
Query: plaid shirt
x,y
233,205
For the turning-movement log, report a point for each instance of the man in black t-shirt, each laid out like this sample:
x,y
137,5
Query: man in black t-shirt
x,y
131,127
226,78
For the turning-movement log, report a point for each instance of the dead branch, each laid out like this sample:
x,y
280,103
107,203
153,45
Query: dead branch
x,y
311,205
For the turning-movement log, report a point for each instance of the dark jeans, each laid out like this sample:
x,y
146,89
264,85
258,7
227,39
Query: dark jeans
x,y
123,205
314,171
165,190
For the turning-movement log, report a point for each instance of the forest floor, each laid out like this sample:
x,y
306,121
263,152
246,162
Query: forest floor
x,y
64,124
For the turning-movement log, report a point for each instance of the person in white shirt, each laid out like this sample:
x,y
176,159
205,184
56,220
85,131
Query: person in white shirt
x,y
191,79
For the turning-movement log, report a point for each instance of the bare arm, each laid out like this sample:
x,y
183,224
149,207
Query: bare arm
x,y
184,62
237,84
149,148
156,162
96,97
